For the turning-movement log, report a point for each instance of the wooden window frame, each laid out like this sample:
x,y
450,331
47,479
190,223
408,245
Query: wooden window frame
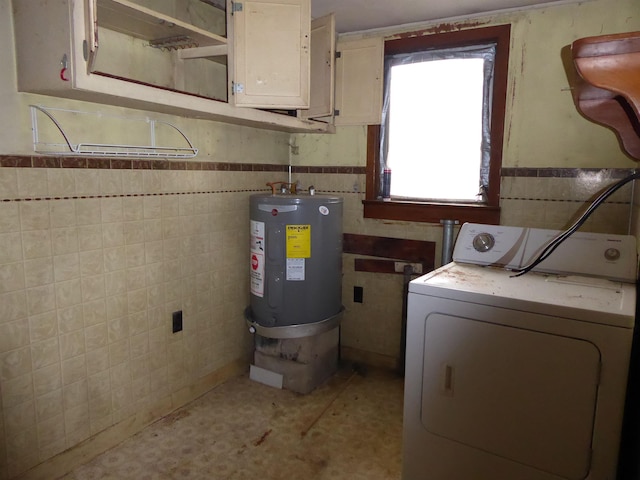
x,y
432,212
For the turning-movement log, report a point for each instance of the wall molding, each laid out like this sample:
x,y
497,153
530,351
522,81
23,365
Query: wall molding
x,y
551,172
42,161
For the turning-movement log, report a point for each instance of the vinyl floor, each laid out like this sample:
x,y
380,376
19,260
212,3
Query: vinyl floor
x,y
349,428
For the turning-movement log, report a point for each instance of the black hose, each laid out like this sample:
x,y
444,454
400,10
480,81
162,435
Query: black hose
x,y
555,243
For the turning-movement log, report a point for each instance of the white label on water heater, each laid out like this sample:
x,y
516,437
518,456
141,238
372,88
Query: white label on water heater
x,y
257,258
295,269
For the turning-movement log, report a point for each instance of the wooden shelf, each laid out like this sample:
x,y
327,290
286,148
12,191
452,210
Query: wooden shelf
x,y
141,22
606,88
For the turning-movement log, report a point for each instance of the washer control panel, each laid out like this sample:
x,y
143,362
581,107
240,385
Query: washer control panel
x,y
583,253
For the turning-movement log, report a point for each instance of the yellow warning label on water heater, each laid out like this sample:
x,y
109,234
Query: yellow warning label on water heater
x,y
298,241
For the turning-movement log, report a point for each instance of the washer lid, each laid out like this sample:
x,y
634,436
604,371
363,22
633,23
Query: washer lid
x,y
588,299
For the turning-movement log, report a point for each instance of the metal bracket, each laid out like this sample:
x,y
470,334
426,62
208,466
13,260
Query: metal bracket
x,y
236,7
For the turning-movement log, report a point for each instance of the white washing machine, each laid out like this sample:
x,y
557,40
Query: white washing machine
x,y
519,378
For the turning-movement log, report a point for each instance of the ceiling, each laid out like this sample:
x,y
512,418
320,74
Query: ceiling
x,y
356,15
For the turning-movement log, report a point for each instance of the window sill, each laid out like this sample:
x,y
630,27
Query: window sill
x,y
431,212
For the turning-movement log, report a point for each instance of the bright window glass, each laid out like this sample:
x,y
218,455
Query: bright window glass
x,y
435,129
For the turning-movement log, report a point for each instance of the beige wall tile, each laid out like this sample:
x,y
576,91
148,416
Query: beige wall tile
x,y
68,293
11,250
91,263
119,352
45,353
94,312
75,394
19,416
32,182
66,267
36,243
111,209
43,326
132,182
50,430
120,375
62,213
9,214
49,405
61,182
14,335
41,299
118,329
88,211
34,216
70,319
111,182
87,181
64,240
113,234
11,277
47,379
15,392
116,306
138,322
72,344
133,232
93,288
38,271
135,255
115,283
76,424
114,259
96,337
97,360
89,237
8,184
74,369
15,363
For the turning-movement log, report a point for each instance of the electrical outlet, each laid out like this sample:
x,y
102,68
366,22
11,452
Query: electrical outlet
x,y
358,293
177,321
416,268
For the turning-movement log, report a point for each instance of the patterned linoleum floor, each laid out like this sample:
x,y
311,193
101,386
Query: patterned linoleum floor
x,y
350,428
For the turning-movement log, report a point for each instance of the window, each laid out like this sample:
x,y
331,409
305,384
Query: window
x,y
442,129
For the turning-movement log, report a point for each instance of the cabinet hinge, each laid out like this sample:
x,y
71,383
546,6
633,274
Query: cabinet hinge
x,y
237,88
338,54
336,112
236,7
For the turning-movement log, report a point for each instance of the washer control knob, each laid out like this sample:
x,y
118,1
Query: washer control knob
x,y
612,254
483,242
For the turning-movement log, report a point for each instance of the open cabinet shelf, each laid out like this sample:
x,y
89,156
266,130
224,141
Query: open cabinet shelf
x,y
140,22
606,88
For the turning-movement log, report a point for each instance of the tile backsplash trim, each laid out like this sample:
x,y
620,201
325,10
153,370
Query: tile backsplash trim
x,y
143,164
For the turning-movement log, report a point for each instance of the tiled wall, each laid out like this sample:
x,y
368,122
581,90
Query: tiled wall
x,y
92,265
95,260
553,198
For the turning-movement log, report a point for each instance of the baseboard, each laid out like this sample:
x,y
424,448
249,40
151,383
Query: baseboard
x,y
372,359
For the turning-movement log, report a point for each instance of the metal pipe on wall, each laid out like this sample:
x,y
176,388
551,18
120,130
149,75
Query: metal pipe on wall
x,y
447,240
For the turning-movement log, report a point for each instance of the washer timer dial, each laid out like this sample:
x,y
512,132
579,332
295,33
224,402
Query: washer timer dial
x,y
483,242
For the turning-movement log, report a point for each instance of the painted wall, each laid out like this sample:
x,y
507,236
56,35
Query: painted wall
x,y
554,159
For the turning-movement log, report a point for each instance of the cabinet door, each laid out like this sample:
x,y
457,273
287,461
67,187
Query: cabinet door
x,y
359,80
323,54
270,42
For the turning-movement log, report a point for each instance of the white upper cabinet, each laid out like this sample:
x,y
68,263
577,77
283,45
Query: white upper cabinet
x,y
270,53
169,56
323,56
359,81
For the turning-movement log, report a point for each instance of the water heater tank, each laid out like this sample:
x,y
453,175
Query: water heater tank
x,y
296,264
